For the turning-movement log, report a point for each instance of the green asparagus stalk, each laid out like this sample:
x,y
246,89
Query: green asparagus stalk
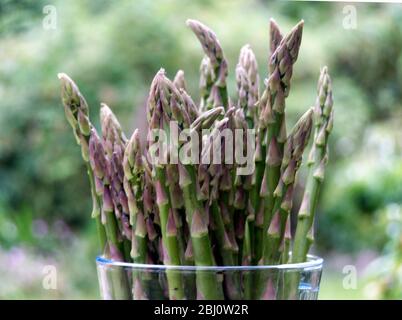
x,y
204,121
318,157
245,216
224,231
227,182
272,126
255,201
77,113
242,183
248,94
159,115
134,188
293,152
99,165
172,177
214,66
323,121
207,284
114,142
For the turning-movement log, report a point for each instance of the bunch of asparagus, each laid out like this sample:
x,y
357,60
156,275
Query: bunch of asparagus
x,y
204,213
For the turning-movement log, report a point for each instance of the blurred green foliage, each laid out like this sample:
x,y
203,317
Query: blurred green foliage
x,y
358,189
384,275
112,50
19,16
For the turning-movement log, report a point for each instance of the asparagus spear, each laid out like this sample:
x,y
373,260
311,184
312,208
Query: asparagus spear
x,y
275,35
152,217
100,166
159,116
77,113
189,105
248,94
222,224
179,80
272,126
227,180
114,142
293,152
207,284
255,202
134,186
323,121
283,194
248,84
244,215
206,83
215,64
213,85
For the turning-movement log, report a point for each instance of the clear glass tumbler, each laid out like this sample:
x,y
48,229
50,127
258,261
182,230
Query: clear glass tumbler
x,y
130,281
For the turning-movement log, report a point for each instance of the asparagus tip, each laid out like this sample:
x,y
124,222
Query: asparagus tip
x,y
62,75
191,22
161,71
136,134
105,107
67,84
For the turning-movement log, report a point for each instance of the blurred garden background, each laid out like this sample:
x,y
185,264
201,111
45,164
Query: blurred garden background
x,y
112,50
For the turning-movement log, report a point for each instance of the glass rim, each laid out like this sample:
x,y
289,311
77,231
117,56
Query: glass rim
x,y
313,263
